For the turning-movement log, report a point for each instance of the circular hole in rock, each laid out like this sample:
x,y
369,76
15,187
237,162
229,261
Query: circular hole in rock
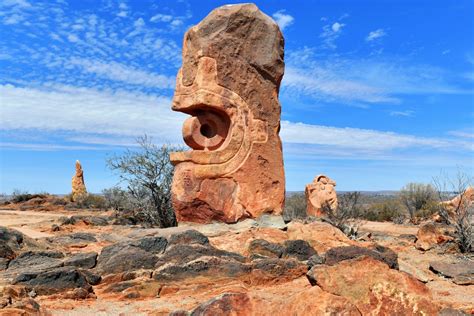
x,y
208,131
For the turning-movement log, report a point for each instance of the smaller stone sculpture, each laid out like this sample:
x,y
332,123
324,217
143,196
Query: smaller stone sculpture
x,y
320,193
78,185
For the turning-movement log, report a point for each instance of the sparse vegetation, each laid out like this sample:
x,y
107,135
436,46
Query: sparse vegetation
x,y
19,196
418,200
460,212
148,175
346,214
295,206
90,201
388,210
117,199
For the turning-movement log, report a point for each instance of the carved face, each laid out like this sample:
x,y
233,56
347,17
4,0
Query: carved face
x,y
323,192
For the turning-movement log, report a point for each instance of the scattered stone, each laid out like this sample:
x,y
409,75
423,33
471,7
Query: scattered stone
x,y
11,237
272,221
4,263
87,220
321,236
383,254
464,279
78,185
263,248
374,288
54,281
315,260
82,260
73,240
202,266
430,235
55,228
124,259
299,249
228,83
465,269
320,194
188,237
36,261
5,251
414,271
237,304
451,312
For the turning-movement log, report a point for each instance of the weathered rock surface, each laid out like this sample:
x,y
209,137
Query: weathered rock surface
x,y
87,220
383,254
78,184
237,304
298,249
374,288
320,193
263,248
321,236
132,255
229,82
430,235
461,272
56,280
82,260
459,204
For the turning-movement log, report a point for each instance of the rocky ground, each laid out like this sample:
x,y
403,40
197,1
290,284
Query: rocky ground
x,y
55,261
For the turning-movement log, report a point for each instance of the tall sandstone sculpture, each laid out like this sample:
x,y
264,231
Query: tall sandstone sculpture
x,y
229,83
78,185
319,194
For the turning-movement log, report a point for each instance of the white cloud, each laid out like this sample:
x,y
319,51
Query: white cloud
x,y
73,38
375,35
468,133
99,116
58,108
282,19
13,19
373,80
406,113
119,72
161,18
330,34
336,27
360,139
122,14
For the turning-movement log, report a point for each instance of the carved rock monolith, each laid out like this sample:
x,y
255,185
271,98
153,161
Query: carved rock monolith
x,y
319,195
229,84
78,185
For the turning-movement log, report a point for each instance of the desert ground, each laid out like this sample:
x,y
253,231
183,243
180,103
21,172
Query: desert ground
x,y
84,262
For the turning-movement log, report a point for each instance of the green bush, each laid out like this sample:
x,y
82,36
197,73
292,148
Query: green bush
x,y
389,210
19,196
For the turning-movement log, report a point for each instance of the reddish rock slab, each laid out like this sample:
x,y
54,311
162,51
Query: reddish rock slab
x,y
375,288
430,235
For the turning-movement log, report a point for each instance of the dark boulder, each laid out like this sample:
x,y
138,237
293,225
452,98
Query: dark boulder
x,y
225,304
315,260
82,260
380,253
54,281
259,248
188,237
34,261
6,251
299,249
125,258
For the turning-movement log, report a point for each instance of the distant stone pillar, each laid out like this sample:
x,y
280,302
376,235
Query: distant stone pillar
x,y
78,185
319,193
229,84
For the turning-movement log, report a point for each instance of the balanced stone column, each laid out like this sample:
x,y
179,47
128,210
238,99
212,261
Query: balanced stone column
x,y
78,185
229,84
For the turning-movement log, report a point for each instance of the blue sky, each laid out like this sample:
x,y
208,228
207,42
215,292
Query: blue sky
x,y
375,94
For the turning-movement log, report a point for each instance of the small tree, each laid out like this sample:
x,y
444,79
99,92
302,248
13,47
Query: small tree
x,y
148,174
416,197
456,207
347,209
295,206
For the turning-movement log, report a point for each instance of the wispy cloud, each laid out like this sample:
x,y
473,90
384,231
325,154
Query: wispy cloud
x,y
367,81
361,139
118,72
406,113
282,19
330,34
379,33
